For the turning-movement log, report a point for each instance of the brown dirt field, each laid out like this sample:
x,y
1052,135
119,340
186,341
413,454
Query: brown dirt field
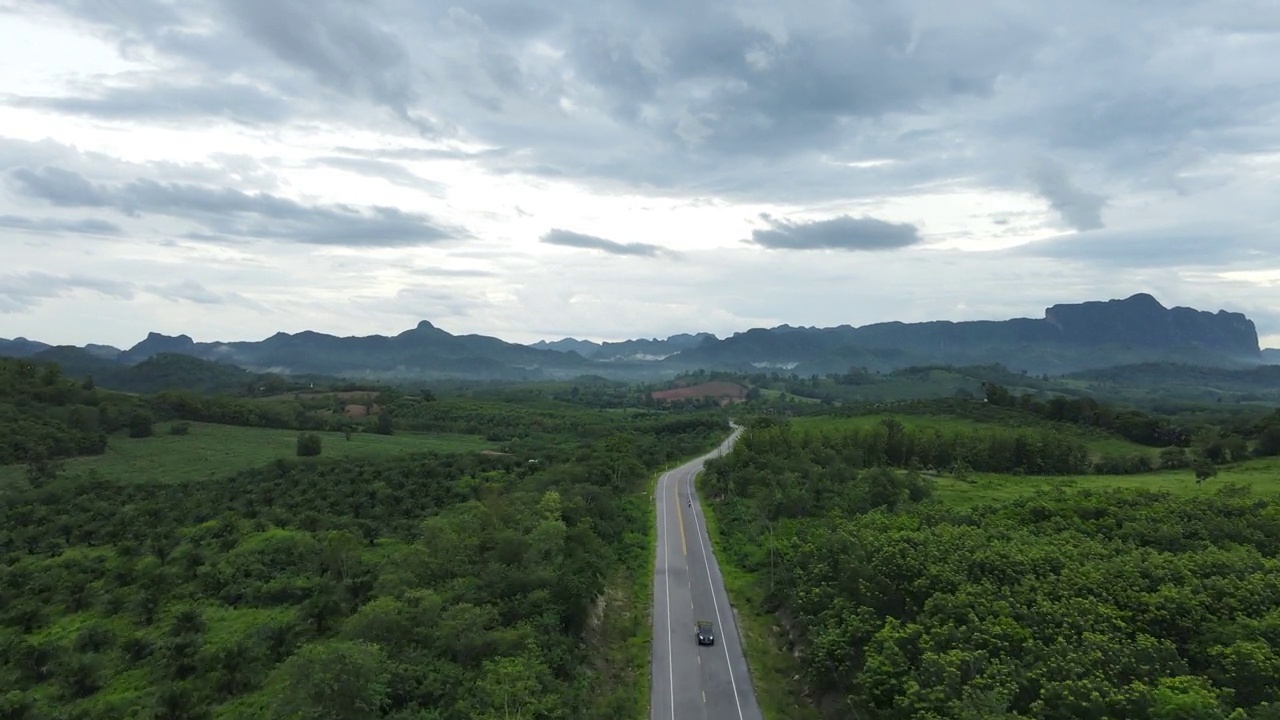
x,y
719,389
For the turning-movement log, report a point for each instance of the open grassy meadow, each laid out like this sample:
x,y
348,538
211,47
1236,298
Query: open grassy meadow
x,y
211,450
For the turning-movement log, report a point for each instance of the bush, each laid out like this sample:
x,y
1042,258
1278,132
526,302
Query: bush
x,y
180,428
140,424
308,445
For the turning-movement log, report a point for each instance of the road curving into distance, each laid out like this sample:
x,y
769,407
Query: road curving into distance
x,y
692,681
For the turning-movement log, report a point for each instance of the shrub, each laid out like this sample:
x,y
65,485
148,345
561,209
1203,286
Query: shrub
x,y
140,424
308,445
180,428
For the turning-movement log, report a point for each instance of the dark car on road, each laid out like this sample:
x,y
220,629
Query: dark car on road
x,y
706,634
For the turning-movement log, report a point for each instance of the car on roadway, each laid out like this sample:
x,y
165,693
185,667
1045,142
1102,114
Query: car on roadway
x,y
706,633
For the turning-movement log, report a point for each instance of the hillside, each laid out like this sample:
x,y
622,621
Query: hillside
x,y
164,371
1152,381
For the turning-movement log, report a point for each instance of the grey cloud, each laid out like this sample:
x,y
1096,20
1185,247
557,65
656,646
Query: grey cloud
x,y
568,238
839,233
192,291
413,153
189,290
389,171
226,211
84,226
20,291
60,187
744,101
452,272
1080,209
239,102
336,44
1198,246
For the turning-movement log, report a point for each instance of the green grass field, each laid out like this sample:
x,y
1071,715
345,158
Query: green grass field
x,y
1261,476
211,451
1098,442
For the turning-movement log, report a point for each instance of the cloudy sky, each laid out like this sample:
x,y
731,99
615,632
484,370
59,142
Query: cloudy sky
x,y
615,168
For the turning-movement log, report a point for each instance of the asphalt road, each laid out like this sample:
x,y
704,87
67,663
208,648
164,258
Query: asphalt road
x,y
692,681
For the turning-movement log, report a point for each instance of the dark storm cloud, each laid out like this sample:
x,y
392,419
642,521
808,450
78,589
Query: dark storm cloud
x,y
226,211
20,291
83,226
569,238
839,233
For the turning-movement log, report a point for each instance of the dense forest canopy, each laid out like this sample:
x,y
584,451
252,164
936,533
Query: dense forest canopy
x,y
419,586
1132,604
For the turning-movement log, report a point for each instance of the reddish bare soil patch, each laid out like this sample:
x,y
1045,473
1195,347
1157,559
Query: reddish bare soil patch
x,y
359,411
726,391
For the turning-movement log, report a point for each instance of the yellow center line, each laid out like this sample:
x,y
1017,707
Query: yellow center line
x,y
680,517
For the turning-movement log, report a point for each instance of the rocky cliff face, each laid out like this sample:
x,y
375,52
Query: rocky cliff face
x,y
1141,321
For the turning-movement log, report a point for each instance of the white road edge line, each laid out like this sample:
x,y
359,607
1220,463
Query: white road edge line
x,y
716,603
671,667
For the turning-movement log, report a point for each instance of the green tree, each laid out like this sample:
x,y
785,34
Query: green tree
x,y
42,467
1203,470
383,424
308,445
513,687
141,423
331,680
1185,698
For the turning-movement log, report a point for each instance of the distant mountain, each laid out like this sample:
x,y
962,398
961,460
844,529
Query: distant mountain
x,y
652,349
1271,356
640,350
20,347
1068,338
424,351
106,352
585,348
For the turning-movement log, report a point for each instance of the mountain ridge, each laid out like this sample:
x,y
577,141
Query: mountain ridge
x,y
1068,338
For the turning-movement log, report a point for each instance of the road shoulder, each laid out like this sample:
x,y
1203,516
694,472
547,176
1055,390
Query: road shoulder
x,y
771,664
